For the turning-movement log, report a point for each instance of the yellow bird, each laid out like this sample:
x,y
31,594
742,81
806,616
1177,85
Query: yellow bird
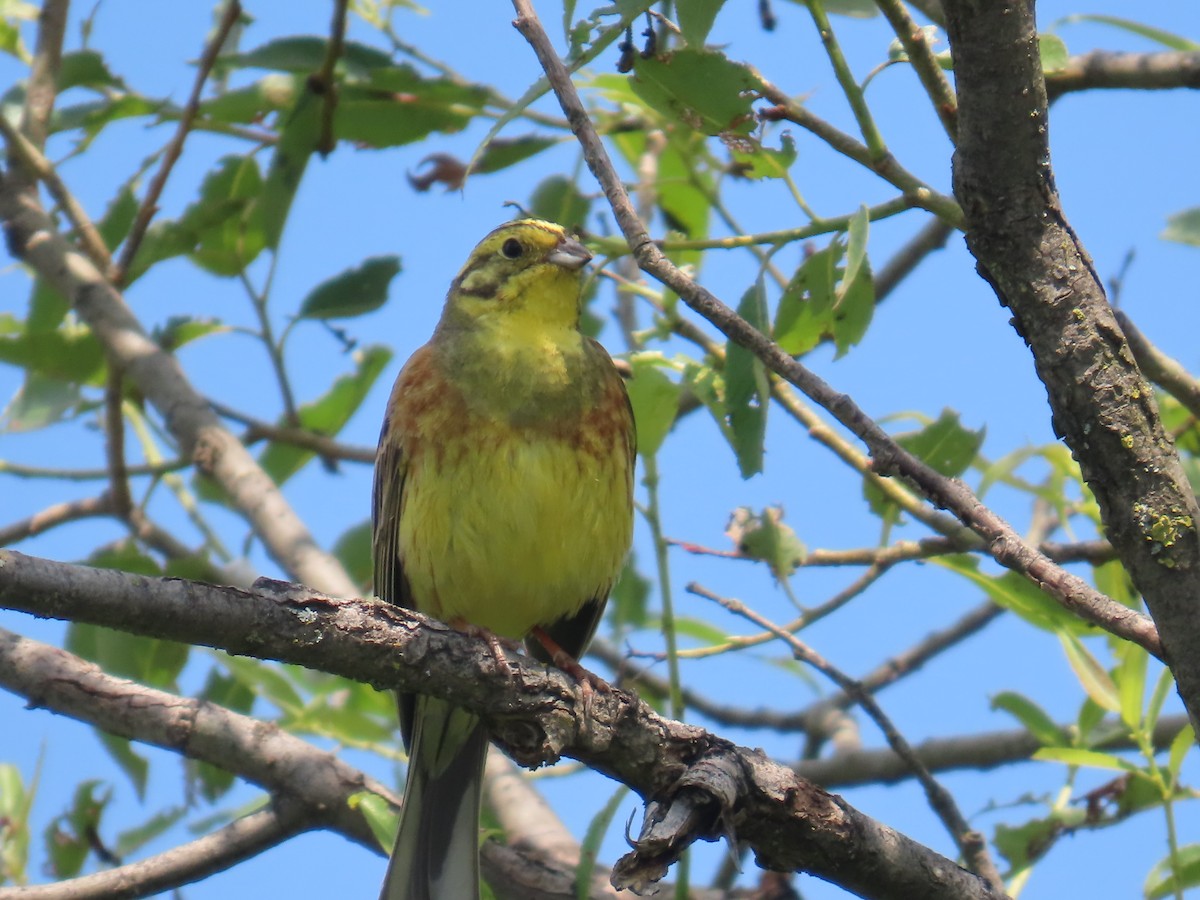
x,y
503,502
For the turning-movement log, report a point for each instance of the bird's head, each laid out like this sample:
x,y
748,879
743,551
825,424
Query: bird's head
x,y
525,275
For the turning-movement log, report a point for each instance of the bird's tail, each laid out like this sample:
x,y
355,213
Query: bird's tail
x,y
436,856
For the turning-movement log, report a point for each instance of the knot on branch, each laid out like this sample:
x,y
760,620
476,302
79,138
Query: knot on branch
x,y
699,806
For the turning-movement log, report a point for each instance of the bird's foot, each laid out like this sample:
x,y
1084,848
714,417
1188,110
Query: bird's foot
x,y
589,682
496,644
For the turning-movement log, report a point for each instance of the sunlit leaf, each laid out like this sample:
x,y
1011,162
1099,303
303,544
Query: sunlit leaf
x,y
1092,676
767,537
353,292
329,413
1173,874
703,89
747,388
1184,227
655,400
1035,719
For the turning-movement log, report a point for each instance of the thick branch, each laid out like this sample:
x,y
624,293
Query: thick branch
x,y
1102,407
537,713
281,764
32,237
1138,71
215,852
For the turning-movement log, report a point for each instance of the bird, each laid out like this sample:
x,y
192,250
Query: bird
x,y
502,505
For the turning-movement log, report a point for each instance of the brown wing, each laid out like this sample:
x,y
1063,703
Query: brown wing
x,y
387,503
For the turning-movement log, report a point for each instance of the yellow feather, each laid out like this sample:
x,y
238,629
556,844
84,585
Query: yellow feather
x,y
503,500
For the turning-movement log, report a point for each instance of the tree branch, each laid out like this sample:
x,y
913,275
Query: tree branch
x,y
1138,71
1026,250
537,713
1003,542
33,238
238,841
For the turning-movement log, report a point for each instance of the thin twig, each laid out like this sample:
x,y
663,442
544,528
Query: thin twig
x,y
300,437
114,443
41,89
970,843
1168,373
920,54
888,458
931,237
149,206
886,167
52,516
33,162
20,470
324,77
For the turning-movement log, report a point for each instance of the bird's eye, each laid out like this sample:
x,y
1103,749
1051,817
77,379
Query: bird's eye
x,y
511,248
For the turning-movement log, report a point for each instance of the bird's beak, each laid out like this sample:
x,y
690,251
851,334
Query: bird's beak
x,y
570,254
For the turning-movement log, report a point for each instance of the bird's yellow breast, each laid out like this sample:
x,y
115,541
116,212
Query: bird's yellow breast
x,y
504,523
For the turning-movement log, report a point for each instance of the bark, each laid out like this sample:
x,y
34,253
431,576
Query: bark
x,y
1025,248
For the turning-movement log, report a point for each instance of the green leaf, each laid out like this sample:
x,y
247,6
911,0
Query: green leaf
x,y
703,89
1016,593
1112,580
86,68
1162,688
944,445
354,292
227,247
94,116
380,816
180,330
765,536
1180,745
500,153
266,680
1184,227
1035,719
854,9
655,401
306,55
68,836
747,388
135,766
222,231
253,103
1026,843
696,19
558,199
805,314
590,847
298,140
1053,52
1130,677
1166,38
1091,759
329,413
627,601
353,551
1095,680
133,839
1172,875
753,160
38,403
400,107
16,802
69,353
856,251
151,661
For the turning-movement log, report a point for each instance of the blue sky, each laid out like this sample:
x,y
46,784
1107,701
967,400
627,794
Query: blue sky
x,y
1124,162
